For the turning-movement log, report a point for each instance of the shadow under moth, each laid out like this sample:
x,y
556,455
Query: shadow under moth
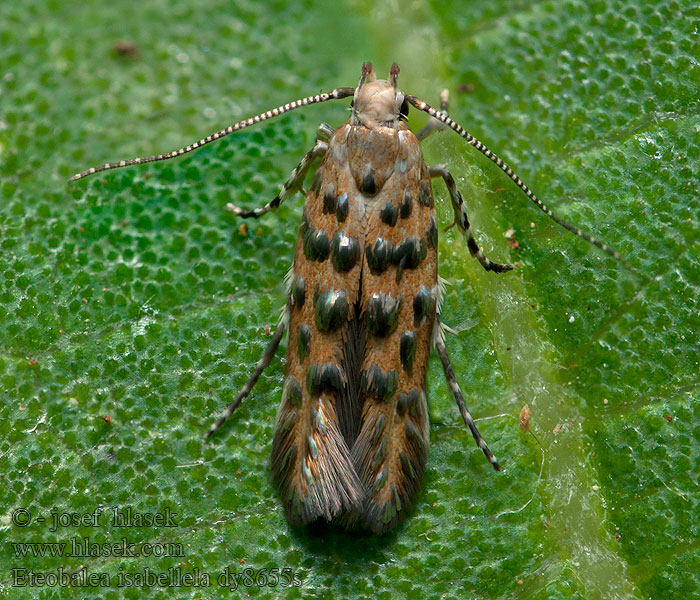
x,y
363,308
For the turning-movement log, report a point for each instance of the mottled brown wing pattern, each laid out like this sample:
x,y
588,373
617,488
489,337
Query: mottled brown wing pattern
x,y
351,436
310,459
399,288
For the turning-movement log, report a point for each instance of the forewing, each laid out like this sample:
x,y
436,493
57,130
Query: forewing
x,y
398,294
310,459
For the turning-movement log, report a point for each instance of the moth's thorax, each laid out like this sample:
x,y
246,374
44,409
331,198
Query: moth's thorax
x,y
375,155
377,103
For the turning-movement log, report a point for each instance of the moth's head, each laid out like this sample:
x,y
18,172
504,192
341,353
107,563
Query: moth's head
x,y
378,101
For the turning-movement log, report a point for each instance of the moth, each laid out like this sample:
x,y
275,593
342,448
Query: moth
x,y
363,308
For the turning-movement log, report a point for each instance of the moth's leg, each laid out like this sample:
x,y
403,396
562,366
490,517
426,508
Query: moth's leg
x,y
466,415
462,220
252,380
324,133
434,124
296,179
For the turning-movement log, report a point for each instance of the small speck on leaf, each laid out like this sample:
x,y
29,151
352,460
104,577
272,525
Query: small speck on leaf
x,y
126,49
525,418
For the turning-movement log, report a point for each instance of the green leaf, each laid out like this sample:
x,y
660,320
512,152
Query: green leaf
x,y
134,307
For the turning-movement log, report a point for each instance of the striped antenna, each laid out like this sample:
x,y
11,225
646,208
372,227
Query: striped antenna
x,y
441,116
336,94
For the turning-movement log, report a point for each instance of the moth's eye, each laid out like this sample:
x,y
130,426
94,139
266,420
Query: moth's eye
x,y
404,110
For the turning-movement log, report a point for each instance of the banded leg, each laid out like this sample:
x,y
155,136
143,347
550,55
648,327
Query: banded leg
x,y
324,133
255,375
296,179
463,221
466,415
434,124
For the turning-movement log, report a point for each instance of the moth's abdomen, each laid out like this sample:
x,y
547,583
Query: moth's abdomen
x,y
398,295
